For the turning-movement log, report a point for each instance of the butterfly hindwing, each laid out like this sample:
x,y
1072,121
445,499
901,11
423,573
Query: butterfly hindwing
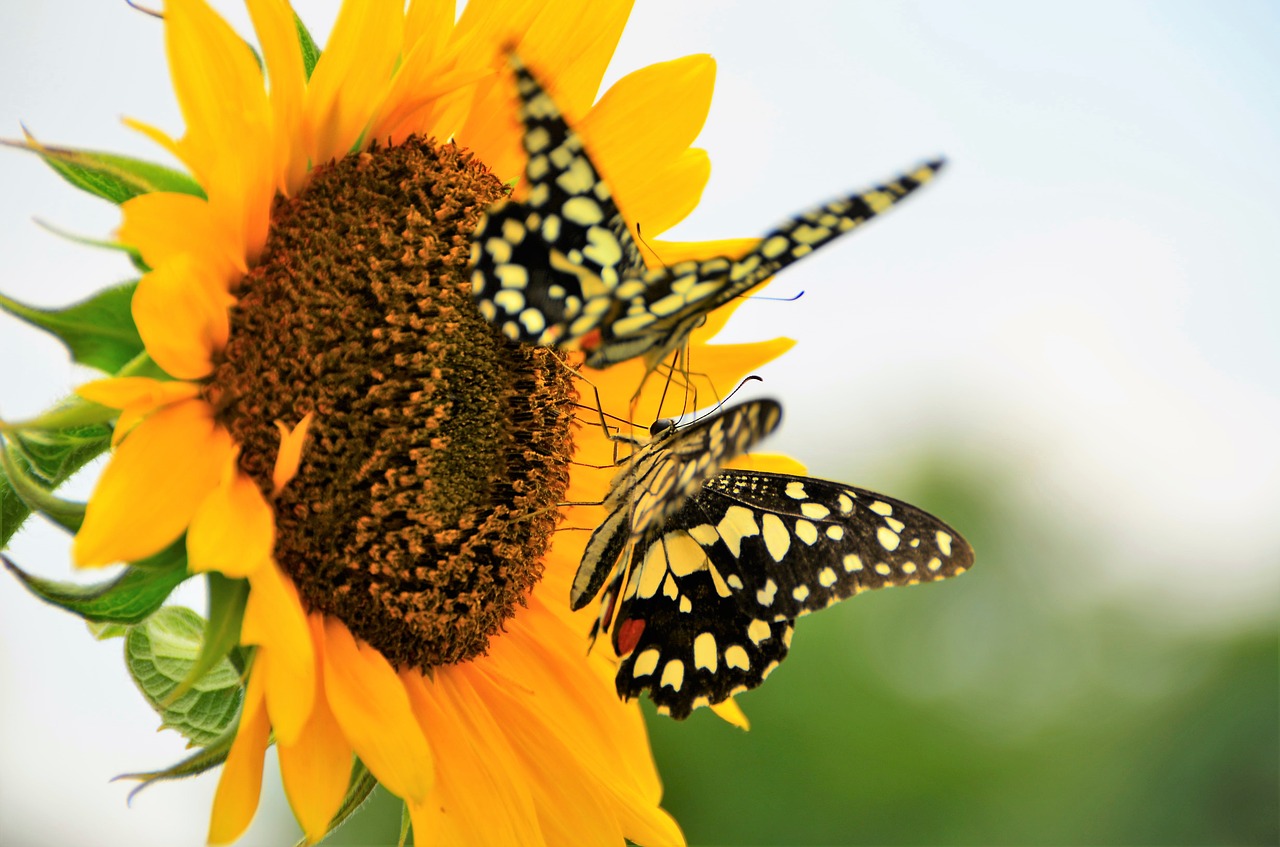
x,y
543,270
741,560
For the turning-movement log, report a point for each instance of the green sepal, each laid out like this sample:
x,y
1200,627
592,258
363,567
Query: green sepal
x,y
134,256
50,458
99,331
206,758
128,599
71,413
310,52
65,513
358,790
406,824
160,652
107,631
227,598
112,177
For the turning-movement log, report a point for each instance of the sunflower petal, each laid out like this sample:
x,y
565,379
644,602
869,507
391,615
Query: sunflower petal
x,y
352,73
228,144
275,620
290,455
233,531
769,463
662,196
162,225
153,485
731,713
273,21
137,392
480,796
647,119
317,767
240,784
181,314
370,704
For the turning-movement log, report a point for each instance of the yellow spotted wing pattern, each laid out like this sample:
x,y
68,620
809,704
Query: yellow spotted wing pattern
x,y
654,482
561,268
713,596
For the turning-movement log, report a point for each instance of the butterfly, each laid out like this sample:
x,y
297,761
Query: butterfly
x,y
711,602
560,268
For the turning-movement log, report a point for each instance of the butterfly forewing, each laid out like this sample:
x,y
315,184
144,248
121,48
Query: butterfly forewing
x,y
543,270
660,309
659,476
741,560
802,544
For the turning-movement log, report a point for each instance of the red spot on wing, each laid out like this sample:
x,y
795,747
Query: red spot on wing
x,y
629,632
590,341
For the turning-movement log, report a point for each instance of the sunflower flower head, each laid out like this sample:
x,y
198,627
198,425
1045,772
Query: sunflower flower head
x,y
307,409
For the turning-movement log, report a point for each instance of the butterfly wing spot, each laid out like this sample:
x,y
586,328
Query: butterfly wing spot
x,y
673,675
881,508
944,542
806,532
646,663
736,657
765,595
835,532
776,538
883,569
816,511
759,631
852,562
801,593
827,577
705,655
888,538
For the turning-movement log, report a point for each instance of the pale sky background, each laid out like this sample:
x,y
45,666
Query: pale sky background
x,y
1087,299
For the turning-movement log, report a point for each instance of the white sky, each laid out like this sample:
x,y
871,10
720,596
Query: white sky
x,y
1088,296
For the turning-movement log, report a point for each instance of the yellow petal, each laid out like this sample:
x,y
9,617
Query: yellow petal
x,y
139,392
162,225
731,713
181,314
662,196
370,704
240,784
769,463
571,722
290,455
428,24
645,122
273,21
317,767
480,796
228,144
352,76
275,620
153,485
233,531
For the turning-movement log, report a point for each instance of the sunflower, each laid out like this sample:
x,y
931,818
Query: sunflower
x,y
328,423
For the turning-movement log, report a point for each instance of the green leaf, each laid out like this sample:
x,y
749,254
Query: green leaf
x,y
65,513
358,790
134,256
160,652
99,331
107,175
207,758
310,52
227,599
128,599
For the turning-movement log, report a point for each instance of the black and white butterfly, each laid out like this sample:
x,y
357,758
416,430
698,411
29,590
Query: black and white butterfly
x,y
561,268
711,599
